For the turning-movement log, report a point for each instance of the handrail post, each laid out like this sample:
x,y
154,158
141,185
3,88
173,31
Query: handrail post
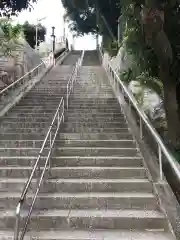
x,y
141,128
16,231
50,147
160,162
67,98
63,110
58,119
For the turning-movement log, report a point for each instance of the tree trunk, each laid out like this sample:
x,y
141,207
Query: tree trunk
x,y
171,109
178,97
153,21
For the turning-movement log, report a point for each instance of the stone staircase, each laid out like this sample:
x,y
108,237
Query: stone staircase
x,y
98,187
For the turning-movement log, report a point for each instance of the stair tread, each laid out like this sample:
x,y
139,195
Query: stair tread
x,y
74,168
81,180
96,235
106,213
83,195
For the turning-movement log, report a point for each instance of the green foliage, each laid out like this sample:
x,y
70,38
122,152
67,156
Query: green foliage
x,y
144,79
12,7
150,82
83,15
111,47
30,33
127,75
10,39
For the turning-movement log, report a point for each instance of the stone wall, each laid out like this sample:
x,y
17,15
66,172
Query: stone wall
x,y
23,58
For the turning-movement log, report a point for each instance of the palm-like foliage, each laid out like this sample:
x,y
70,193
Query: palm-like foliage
x,y
9,40
12,7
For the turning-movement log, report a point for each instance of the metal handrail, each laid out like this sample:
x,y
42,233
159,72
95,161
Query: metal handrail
x,y
73,77
62,55
143,118
21,79
59,118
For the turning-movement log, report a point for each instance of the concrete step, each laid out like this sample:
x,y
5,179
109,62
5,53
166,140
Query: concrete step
x,y
74,161
28,119
21,151
143,201
8,124
95,136
90,114
107,129
78,185
35,107
73,129
73,151
12,124
67,136
33,110
40,102
97,151
92,94
94,109
44,93
95,124
82,92
40,98
32,115
31,104
26,130
78,172
72,105
22,136
93,118
94,101
85,219
94,234
68,143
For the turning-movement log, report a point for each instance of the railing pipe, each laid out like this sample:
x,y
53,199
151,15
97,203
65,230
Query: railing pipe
x,y
144,119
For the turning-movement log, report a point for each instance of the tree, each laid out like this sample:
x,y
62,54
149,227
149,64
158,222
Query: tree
x,y
156,26
83,15
30,33
161,30
12,7
10,37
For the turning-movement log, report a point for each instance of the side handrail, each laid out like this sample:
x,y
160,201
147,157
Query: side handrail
x,y
62,55
49,140
73,78
21,80
143,118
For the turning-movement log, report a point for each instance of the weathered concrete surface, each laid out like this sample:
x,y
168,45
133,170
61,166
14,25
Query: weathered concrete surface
x,y
98,186
163,190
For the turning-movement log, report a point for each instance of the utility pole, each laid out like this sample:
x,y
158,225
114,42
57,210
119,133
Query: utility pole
x,y
53,40
64,29
119,29
97,22
38,21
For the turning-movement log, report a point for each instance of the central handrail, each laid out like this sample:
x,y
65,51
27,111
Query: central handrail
x,y
143,118
73,78
49,139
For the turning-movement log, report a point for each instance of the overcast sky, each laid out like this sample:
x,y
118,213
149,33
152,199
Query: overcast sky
x,y
54,11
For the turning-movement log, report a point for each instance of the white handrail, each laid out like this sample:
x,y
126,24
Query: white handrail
x,y
161,147
21,79
19,235
73,78
5,90
62,55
